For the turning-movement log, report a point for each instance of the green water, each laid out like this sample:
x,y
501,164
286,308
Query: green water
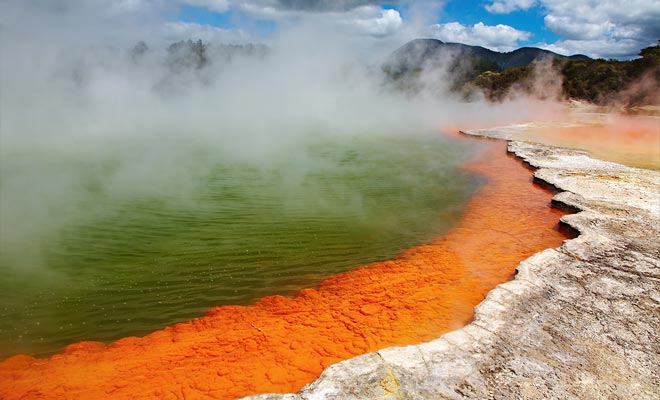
x,y
98,247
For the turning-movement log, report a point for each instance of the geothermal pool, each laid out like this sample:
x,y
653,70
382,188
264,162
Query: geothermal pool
x,y
125,250
278,344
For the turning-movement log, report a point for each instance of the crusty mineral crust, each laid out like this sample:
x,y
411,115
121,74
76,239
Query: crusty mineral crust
x,y
580,321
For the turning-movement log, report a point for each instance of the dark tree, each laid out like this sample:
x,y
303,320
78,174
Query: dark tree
x,y
187,55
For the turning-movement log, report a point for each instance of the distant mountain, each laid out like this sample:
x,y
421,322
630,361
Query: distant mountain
x,y
420,53
430,64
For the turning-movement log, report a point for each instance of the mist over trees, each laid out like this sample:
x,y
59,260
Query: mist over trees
x,y
469,73
190,55
472,72
635,82
602,82
186,63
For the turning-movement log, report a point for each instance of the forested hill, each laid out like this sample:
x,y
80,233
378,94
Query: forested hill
x,y
471,69
419,53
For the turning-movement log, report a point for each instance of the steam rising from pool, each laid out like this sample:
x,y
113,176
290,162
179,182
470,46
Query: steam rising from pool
x,y
128,262
136,191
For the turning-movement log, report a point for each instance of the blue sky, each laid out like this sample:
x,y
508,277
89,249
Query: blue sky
x,y
470,12
599,28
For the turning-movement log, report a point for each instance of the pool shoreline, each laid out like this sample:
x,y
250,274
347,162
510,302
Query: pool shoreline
x,y
374,307
577,321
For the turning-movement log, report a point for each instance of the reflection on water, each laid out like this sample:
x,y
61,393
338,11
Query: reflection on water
x,y
233,231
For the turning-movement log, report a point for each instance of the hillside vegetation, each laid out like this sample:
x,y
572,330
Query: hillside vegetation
x,y
602,82
471,70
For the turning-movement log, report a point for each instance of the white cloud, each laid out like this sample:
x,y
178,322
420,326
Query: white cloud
x,y
507,6
187,30
564,27
126,6
497,37
589,18
365,20
278,9
598,28
213,5
384,22
596,48
603,28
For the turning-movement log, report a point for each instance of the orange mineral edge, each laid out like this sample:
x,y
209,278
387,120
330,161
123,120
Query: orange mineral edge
x,y
629,140
279,344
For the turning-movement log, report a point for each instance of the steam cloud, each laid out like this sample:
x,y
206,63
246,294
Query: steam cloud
x,y
80,111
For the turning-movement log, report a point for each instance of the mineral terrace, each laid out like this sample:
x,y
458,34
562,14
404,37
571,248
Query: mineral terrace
x,y
578,321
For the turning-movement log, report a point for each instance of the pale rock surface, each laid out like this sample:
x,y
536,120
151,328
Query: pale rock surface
x,y
580,321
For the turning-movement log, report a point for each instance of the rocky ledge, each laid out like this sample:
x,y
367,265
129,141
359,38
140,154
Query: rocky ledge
x,y
579,321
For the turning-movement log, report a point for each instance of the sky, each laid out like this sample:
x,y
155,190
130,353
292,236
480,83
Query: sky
x,y
598,28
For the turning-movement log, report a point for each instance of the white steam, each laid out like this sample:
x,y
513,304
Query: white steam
x,y
80,112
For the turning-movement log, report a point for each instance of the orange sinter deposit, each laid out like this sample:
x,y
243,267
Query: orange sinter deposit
x,y
279,344
629,140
